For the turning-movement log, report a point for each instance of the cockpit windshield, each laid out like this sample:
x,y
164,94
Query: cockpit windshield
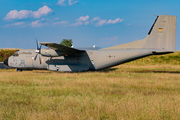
x,y
16,53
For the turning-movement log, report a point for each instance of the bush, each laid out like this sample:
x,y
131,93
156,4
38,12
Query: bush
x,y
5,53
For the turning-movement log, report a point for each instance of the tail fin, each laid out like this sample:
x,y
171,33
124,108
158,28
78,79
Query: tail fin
x,y
162,36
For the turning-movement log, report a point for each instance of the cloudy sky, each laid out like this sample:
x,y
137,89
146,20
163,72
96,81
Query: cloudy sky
x,y
102,23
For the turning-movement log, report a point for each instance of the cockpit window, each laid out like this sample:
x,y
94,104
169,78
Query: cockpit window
x,y
16,53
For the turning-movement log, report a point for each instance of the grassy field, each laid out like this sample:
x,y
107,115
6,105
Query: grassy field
x,y
127,91
168,59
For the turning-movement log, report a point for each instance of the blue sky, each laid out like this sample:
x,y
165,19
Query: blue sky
x,y
102,23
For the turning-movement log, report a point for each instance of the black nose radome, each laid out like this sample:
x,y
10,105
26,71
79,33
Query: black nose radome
x,y
6,61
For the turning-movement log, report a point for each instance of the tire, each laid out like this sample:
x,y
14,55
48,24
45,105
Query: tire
x,y
19,70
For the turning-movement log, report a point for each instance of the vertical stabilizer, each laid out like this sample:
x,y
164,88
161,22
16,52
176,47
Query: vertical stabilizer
x,y
162,35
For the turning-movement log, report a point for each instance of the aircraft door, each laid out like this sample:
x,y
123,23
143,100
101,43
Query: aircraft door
x,y
28,62
22,63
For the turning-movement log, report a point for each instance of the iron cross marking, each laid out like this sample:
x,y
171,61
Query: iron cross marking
x,y
110,56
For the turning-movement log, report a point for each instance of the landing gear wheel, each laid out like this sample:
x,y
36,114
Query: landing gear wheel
x,y
19,70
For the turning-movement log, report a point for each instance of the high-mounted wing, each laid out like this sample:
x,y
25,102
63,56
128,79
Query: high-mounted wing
x,y
60,48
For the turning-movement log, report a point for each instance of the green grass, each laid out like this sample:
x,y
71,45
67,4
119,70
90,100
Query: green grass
x,y
148,88
170,59
123,92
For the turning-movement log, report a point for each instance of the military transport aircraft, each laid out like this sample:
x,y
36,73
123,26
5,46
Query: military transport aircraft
x,y
161,39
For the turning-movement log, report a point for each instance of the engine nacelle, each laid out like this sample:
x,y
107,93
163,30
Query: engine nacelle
x,y
51,53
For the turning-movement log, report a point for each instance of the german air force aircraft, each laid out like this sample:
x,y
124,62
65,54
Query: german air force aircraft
x,y
161,39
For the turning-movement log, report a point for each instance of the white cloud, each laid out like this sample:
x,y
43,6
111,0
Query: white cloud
x,y
60,23
100,23
18,23
86,23
71,2
36,23
39,23
96,19
118,20
64,2
83,18
76,24
14,14
61,2
45,10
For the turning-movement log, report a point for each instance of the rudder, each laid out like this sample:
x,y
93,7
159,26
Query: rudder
x,y
162,35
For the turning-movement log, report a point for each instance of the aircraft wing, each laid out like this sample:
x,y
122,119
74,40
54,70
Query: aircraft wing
x,y
60,48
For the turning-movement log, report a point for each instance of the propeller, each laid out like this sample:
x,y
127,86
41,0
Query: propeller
x,y
38,51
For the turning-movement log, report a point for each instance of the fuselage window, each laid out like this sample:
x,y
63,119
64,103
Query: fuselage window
x,y
16,54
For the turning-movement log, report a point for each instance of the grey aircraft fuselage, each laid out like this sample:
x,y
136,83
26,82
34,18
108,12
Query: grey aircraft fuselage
x,y
161,39
88,60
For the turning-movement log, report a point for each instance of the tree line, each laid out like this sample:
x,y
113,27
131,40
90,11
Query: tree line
x,y
5,53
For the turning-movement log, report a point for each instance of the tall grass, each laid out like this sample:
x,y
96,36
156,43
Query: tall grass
x,y
170,59
148,88
122,92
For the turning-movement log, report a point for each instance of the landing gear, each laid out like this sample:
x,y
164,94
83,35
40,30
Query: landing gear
x,y
19,70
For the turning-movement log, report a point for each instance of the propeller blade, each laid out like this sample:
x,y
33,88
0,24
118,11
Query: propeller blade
x,y
39,59
40,49
35,57
37,44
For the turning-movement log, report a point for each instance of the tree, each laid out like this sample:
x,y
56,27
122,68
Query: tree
x,y
66,42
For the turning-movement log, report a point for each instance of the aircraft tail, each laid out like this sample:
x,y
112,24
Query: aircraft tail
x,y
161,37
162,34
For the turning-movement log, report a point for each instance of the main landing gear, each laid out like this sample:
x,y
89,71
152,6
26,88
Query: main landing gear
x,y
19,70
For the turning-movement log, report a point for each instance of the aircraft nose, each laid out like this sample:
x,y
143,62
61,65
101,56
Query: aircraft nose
x,y
6,62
